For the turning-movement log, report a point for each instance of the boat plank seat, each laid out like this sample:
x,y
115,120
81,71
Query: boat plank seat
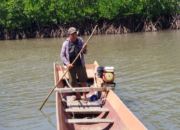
x,y
89,121
93,104
71,103
82,89
81,104
86,111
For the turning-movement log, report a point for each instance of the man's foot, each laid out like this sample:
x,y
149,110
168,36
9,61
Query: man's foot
x,y
84,100
76,98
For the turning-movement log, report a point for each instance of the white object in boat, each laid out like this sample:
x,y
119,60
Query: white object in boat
x,y
109,69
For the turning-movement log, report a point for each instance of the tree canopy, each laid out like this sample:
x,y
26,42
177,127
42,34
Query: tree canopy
x,y
23,13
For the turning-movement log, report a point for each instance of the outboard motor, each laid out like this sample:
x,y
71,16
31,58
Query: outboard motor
x,y
106,73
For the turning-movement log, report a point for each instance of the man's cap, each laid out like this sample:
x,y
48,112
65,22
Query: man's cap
x,y
71,30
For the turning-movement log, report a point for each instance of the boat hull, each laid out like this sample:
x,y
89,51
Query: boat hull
x,y
123,118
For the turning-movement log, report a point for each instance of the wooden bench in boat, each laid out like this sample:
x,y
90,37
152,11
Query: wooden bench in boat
x,y
86,111
89,121
78,104
82,89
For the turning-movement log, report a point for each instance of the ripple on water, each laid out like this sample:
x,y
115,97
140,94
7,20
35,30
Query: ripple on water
x,y
146,72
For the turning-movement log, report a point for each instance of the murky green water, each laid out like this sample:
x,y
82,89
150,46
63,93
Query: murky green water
x,y
147,74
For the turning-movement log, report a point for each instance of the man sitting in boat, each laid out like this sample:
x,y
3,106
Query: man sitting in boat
x,y
70,49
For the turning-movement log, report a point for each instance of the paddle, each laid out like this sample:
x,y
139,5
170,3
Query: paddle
x,y
66,70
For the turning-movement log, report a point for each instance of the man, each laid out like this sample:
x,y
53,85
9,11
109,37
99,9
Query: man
x,y
70,49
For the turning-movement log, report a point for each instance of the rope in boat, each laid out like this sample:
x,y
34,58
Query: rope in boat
x,y
68,85
105,90
95,84
66,82
65,78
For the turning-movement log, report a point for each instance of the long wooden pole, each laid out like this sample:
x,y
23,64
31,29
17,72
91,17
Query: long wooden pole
x,y
66,70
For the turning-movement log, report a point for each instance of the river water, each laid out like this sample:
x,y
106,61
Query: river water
x,y
147,73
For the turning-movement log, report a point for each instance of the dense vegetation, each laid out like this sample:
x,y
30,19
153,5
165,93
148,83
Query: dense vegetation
x,y
20,14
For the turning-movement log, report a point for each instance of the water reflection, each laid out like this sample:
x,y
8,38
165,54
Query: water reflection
x,y
49,119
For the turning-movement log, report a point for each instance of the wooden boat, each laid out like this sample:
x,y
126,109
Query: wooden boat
x,y
107,113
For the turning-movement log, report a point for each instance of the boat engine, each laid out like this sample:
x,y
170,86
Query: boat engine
x,y
106,73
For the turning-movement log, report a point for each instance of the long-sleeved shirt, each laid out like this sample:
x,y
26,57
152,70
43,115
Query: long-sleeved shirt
x,y
65,51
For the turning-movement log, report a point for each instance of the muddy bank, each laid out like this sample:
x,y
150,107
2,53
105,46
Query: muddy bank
x,y
119,26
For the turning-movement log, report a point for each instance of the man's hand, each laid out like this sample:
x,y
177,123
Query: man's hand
x,y
84,47
70,66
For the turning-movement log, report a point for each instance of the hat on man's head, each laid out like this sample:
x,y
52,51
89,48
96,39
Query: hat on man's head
x,y
71,30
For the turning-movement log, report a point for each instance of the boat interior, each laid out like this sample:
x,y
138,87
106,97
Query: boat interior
x,y
78,109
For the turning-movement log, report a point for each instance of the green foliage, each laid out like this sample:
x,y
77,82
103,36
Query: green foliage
x,y
22,13
11,14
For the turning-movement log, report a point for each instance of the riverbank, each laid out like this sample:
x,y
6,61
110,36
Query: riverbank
x,y
121,25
